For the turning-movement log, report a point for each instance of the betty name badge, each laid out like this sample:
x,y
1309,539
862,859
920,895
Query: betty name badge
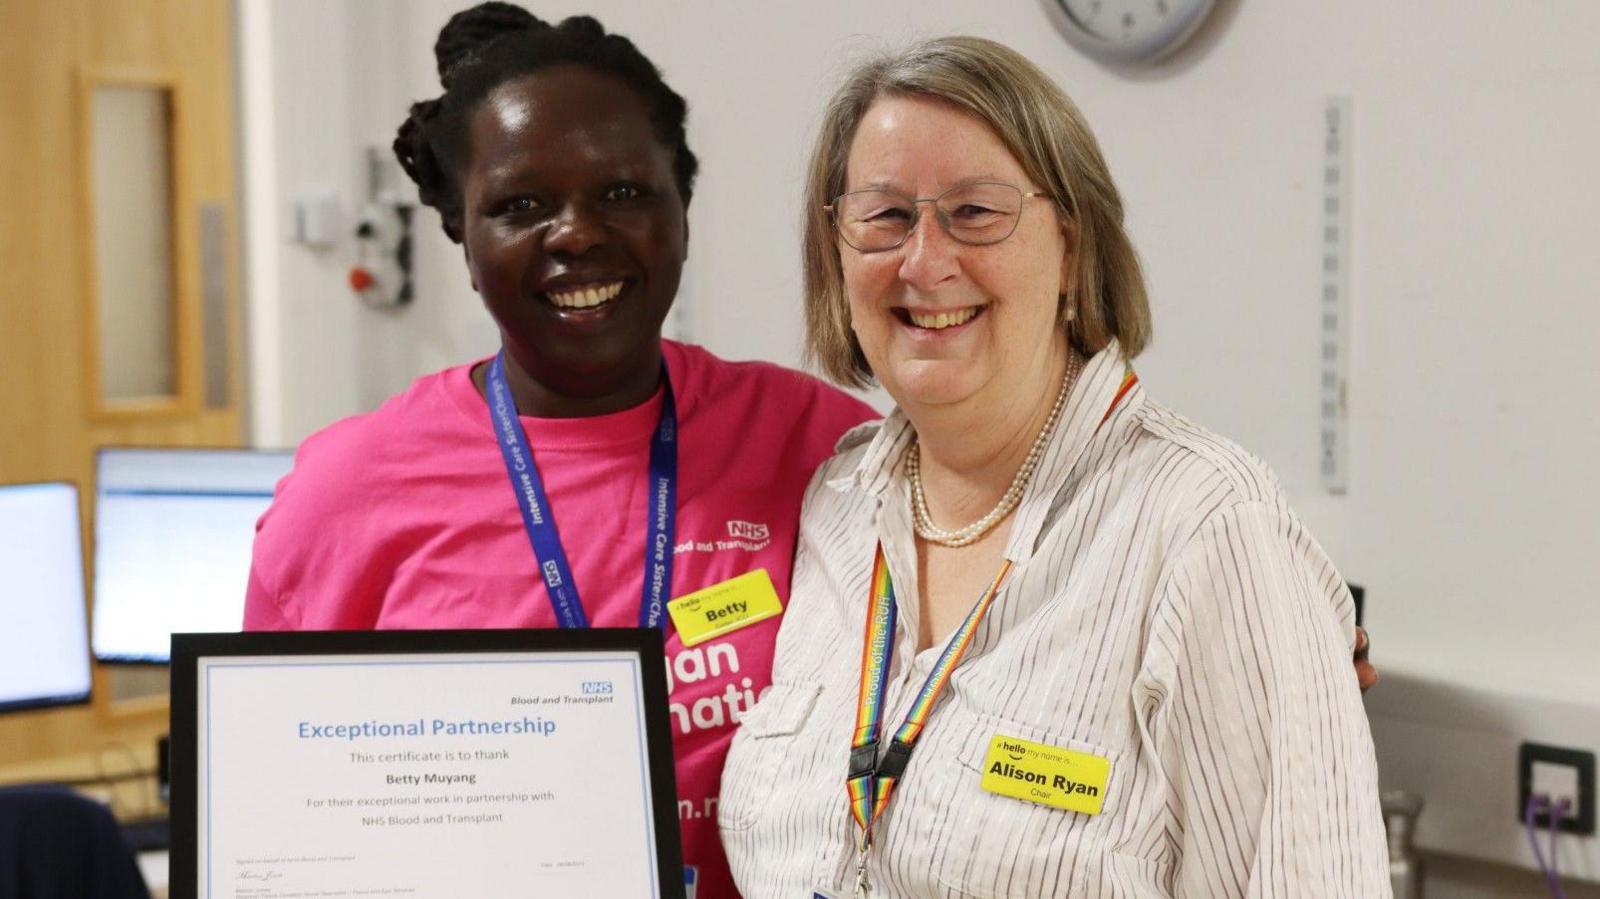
x,y
726,607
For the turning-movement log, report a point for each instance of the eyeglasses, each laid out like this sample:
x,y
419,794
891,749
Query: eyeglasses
x,y
981,213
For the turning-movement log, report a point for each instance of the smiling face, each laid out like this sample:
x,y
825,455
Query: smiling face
x,y
574,229
942,322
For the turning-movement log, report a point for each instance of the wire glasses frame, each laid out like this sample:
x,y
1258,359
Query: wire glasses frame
x,y
977,214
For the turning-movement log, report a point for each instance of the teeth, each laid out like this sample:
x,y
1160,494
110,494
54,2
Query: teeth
x,y
941,320
586,297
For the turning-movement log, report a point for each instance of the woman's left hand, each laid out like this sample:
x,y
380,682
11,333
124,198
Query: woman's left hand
x,y
1366,674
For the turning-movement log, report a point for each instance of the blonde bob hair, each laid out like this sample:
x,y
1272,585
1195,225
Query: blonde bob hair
x,y
1047,135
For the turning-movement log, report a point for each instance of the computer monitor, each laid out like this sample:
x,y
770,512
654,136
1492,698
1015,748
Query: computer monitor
x,y
173,530
44,634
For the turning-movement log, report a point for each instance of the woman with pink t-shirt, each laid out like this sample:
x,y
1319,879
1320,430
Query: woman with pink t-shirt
x,y
556,158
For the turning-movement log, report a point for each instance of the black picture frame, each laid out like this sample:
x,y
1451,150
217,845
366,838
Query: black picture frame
x,y
189,649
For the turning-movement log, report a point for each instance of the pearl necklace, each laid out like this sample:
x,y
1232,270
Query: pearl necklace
x,y
923,521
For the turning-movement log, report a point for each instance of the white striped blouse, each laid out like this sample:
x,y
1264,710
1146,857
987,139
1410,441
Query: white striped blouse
x,y
1165,610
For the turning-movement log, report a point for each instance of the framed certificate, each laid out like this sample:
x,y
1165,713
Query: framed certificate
x,y
422,764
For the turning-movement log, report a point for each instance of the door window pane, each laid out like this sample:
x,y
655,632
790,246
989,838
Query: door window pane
x,y
132,189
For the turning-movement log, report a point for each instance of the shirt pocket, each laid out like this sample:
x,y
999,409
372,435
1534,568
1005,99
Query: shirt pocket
x,y
767,735
1003,847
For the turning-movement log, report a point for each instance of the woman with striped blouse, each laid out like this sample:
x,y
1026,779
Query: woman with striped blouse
x,y
1046,637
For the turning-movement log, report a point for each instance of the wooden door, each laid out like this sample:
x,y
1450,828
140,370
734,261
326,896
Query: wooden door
x,y
119,315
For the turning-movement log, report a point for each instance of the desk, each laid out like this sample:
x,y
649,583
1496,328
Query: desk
x,y
121,776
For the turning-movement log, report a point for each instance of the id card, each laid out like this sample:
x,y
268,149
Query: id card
x,y
1049,775
726,607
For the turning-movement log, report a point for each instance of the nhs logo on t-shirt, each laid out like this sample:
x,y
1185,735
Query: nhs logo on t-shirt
x,y
748,530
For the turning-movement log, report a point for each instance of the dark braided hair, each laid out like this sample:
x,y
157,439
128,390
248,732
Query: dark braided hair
x,y
480,49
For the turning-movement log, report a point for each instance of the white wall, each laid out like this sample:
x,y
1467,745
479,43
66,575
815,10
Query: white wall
x,y
322,83
1469,515
314,324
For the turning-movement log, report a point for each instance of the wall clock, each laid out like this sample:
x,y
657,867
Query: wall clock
x,y
1129,32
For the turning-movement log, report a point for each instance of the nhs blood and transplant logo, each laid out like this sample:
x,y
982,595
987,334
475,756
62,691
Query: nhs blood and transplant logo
x,y
748,530
597,688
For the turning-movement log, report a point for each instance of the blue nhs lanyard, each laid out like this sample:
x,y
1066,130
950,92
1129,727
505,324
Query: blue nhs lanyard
x,y
661,515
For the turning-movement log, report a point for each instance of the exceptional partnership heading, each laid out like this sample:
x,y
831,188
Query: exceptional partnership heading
x,y
422,727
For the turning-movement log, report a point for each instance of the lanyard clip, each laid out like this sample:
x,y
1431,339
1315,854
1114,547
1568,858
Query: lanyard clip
x,y
895,760
863,760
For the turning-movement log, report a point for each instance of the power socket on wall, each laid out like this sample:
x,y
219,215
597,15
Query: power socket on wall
x,y
1560,774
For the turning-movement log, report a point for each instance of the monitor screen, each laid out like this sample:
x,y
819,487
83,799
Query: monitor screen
x,y
44,638
173,530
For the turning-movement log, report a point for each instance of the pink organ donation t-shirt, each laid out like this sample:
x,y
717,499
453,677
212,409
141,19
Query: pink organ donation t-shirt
x,y
405,518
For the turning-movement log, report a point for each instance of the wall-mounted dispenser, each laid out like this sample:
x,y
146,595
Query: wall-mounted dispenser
x,y
381,272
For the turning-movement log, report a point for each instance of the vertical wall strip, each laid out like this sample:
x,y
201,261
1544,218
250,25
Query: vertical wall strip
x,y
1333,395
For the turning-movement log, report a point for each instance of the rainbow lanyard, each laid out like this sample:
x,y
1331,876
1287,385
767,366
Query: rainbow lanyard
x,y
872,780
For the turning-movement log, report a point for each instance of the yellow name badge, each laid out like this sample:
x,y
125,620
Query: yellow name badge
x,y
723,608
1048,775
